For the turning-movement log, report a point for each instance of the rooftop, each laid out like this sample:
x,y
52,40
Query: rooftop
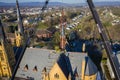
x,y
90,67
36,57
43,32
46,58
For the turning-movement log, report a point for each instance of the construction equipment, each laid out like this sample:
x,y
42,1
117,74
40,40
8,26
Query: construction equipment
x,y
112,57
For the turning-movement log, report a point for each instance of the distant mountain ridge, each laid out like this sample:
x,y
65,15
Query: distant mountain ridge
x,y
33,4
117,3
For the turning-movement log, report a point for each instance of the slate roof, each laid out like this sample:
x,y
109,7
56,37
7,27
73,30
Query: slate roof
x,y
69,62
75,59
90,67
63,64
36,57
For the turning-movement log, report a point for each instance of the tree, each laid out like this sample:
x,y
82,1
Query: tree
x,y
42,25
56,38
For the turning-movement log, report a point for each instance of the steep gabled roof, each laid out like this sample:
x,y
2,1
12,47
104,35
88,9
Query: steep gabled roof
x,y
19,19
63,64
71,63
75,59
90,67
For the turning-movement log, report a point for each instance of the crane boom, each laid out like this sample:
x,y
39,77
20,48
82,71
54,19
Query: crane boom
x,y
112,57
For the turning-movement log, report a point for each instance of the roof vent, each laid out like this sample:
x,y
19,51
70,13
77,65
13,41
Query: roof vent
x,y
44,70
26,67
35,69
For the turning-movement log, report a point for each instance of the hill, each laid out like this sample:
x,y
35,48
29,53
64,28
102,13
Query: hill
x,y
117,3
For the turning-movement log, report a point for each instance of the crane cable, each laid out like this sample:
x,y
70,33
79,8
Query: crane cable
x,y
43,8
25,46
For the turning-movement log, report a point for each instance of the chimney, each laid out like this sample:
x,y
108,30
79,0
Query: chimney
x,y
19,19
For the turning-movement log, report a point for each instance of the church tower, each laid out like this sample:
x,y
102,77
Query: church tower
x,y
7,58
62,38
62,35
20,33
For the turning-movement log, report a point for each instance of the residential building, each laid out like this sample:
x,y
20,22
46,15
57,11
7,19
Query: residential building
x,y
43,34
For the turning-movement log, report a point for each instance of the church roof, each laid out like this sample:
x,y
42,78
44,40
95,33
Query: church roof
x,y
63,64
90,67
75,60
69,63
36,57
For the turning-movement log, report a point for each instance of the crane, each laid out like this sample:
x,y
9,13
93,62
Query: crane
x,y
27,41
112,57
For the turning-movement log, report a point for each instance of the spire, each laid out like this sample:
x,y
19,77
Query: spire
x,y
62,43
62,36
2,33
19,18
62,31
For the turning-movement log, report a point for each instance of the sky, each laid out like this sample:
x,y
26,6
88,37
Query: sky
x,y
65,1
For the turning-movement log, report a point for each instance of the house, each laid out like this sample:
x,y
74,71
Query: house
x,y
43,34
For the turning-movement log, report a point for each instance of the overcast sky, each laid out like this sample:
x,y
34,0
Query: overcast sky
x,y
65,1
